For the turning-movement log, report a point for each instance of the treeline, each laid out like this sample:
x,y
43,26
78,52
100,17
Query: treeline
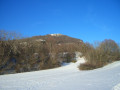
x,y
100,54
44,52
22,55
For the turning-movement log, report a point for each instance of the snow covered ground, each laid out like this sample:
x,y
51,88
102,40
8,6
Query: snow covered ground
x,y
67,77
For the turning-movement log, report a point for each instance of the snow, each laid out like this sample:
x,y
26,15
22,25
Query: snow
x,y
117,87
67,77
56,34
40,40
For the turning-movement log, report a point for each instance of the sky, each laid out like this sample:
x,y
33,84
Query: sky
x,y
89,20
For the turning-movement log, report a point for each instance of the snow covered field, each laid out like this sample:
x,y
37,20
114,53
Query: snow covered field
x,y
67,77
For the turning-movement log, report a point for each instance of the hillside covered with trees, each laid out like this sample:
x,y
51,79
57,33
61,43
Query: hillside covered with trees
x,y
44,52
36,53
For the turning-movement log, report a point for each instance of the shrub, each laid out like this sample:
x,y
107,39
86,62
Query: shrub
x,y
87,66
106,52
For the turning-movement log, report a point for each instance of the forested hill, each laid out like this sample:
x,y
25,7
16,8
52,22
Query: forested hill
x,y
36,53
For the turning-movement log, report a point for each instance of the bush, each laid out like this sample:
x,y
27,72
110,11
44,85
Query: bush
x,y
105,53
87,66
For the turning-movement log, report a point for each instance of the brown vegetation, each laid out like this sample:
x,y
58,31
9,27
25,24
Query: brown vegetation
x,y
36,53
106,52
44,52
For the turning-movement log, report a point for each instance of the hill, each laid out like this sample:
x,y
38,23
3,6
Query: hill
x,y
37,53
56,38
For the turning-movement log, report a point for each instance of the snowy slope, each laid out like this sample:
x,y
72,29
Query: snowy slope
x,y
67,77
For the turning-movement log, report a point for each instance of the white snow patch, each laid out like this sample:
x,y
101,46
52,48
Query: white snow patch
x,y
67,77
117,87
56,34
40,40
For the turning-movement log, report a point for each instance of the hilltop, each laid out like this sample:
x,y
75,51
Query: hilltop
x,y
56,38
